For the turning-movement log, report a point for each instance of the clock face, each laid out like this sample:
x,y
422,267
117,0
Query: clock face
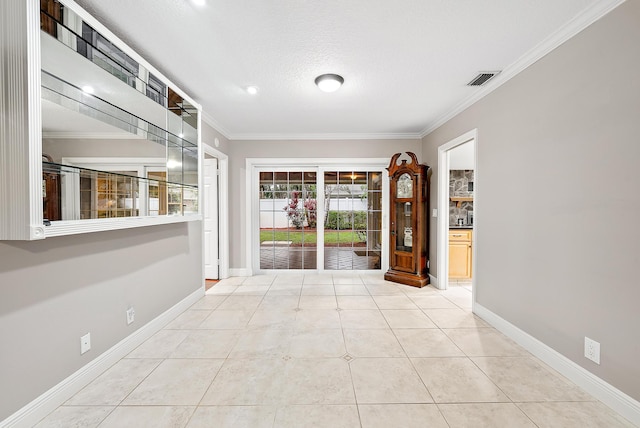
x,y
404,186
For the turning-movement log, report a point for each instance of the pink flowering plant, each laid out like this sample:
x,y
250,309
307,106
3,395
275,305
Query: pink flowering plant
x,y
297,215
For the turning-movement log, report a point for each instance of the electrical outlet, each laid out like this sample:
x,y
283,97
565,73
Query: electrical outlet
x,y
131,315
85,343
592,350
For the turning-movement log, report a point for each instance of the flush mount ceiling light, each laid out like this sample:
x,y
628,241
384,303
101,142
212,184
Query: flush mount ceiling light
x,y
329,82
252,90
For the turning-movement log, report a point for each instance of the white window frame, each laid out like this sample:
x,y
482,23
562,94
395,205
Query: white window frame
x,y
252,216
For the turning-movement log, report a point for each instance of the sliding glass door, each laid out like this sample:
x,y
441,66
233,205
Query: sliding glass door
x,y
318,218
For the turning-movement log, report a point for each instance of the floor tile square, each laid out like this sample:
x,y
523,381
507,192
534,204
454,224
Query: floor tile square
x,y
226,320
401,415
457,380
160,345
243,382
175,383
188,320
485,415
426,343
372,343
576,414
240,303
263,343
317,343
394,302
207,344
271,318
454,318
233,417
407,318
314,416
387,380
317,381
317,318
75,416
362,319
525,379
432,302
484,342
356,302
113,386
148,417
317,302
351,290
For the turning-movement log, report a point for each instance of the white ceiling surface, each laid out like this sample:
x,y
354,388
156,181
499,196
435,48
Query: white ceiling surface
x,y
405,63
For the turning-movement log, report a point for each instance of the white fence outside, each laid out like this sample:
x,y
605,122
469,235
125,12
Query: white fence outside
x,y
274,216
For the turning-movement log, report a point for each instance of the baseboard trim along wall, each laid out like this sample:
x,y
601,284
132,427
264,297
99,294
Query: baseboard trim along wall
x,y
33,412
433,281
603,391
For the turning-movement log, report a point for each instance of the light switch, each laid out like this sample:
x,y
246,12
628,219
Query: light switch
x,y
434,213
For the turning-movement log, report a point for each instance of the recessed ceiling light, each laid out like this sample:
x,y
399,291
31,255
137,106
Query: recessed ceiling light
x,y
329,82
87,89
181,135
199,2
252,90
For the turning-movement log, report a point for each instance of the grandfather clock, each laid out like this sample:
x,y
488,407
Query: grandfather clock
x,y
409,233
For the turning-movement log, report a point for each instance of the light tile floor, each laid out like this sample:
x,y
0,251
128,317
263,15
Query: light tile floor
x,y
331,351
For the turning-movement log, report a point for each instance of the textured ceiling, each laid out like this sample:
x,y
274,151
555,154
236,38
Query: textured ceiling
x,y
405,63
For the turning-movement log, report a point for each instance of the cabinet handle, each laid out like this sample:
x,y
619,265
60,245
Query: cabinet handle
x,y
456,236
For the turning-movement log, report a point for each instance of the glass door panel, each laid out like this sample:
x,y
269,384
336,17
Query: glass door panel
x,y
288,220
353,220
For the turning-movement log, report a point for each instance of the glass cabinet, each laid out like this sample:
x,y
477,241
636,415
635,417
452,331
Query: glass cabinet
x,y
409,187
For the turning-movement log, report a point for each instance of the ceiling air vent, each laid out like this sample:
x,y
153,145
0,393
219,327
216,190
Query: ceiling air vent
x,y
482,78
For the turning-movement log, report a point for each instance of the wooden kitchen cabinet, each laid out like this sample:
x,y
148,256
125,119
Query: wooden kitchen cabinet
x,y
460,253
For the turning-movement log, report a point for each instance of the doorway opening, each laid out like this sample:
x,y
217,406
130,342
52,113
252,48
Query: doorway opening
x,y
457,202
215,241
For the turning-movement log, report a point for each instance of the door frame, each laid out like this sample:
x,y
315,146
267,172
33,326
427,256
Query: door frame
x,y
443,210
252,216
223,210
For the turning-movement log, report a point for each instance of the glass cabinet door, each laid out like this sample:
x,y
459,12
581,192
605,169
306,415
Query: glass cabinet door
x,y
404,226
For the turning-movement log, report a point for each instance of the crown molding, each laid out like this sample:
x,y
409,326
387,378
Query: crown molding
x,y
573,27
326,136
209,120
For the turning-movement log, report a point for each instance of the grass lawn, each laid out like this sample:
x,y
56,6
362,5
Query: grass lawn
x,y
308,237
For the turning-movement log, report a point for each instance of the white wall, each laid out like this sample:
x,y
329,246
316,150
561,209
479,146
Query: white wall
x,y
557,248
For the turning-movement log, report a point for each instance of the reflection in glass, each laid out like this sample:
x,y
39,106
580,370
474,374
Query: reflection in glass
x,y
74,193
129,113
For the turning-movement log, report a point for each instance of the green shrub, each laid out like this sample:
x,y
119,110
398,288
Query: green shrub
x,y
346,220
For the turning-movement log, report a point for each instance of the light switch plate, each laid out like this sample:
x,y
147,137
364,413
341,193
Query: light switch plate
x,y
434,212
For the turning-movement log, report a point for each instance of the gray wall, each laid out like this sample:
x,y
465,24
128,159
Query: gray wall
x,y
56,290
559,248
239,151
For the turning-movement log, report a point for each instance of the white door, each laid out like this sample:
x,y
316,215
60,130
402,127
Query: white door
x,y
211,218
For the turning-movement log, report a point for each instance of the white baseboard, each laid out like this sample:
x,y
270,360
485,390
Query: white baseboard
x,y
33,412
603,391
433,281
240,272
